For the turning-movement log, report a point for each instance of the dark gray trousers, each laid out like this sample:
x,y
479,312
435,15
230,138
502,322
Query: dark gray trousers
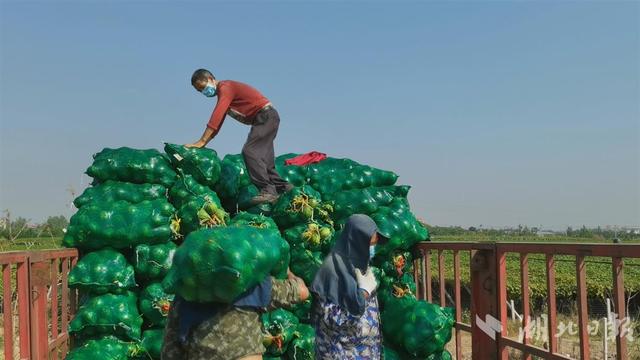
x,y
259,155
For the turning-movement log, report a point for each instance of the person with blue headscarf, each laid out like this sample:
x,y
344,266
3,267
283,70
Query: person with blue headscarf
x,y
345,309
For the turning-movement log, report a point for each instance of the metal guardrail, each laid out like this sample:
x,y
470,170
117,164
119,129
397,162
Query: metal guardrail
x,y
36,283
488,303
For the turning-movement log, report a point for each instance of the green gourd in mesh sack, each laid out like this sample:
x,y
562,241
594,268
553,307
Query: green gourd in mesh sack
x,y
154,304
364,201
132,165
219,264
364,176
395,287
395,264
186,188
299,206
233,177
293,174
108,348
110,190
152,262
305,263
200,213
108,314
302,347
201,163
312,236
398,223
303,310
102,272
265,209
245,197
151,343
120,224
417,327
255,220
268,357
280,326
444,355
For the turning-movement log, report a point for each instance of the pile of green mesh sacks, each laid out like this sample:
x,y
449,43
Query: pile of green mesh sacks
x,y
155,224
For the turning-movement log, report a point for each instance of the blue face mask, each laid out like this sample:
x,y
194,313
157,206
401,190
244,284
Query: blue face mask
x,y
209,91
372,251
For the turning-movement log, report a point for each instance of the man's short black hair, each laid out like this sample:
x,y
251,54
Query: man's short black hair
x,y
200,76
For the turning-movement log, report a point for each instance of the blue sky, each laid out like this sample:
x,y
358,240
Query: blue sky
x,y
497,113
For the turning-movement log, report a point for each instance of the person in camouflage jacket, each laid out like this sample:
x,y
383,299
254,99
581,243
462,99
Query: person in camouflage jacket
x,y
233,333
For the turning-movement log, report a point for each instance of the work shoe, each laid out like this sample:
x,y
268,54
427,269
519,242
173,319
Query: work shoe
x,y
264,197
286,188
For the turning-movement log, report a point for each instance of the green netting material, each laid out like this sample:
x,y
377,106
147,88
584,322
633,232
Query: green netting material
x,y
102,272
417,327
305,263
221,263
108,348
108,315
233,177
295,175
202,163
152,343
333,175
120,225
280,326
186,188
201,213
152,262
300,205
364,201
302,347
303,310
402,227
110,191
155,304
132,165
255,220
312,236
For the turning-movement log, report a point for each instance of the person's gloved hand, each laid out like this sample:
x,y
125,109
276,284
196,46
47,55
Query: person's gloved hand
x,y
367,281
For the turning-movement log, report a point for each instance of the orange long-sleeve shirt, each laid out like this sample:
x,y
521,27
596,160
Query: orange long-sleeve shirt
x,y
241,101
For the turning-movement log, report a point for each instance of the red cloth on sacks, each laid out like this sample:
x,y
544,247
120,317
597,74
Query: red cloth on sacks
x,y
306,159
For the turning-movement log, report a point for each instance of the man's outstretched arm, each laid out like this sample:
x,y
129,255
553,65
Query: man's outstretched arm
x,y
208,134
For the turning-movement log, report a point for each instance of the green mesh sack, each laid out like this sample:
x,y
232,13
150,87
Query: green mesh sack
x,y
305,263
132,165
268,357
152,262
265,209
395,287
155,304
233,177
303,310
255,220
333,175
444,355
245,197
312,236
202,163
396,263
364,201
219,264
186,188
400,225
102,272
293,174
120,225
280,326
151,343
417,327
110,191
108,348
302,347
200,213
364,176
299,205
108,315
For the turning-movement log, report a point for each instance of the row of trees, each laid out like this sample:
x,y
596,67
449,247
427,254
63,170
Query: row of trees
x,y
583,232
20,227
